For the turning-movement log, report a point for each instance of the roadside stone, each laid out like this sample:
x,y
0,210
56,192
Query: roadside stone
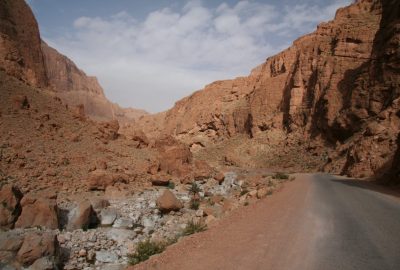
x,y
262,192
210,219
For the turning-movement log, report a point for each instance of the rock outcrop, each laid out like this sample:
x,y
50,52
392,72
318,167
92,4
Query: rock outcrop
x,y
75,88
20,53
326,90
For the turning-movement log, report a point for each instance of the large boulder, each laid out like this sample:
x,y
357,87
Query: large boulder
x,y
37,210
37,245
168,202
81,217
10,208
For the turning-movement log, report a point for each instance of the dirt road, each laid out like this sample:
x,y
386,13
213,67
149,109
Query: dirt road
x,y
316,222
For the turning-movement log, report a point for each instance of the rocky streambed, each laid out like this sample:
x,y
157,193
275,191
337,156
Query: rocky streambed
x,y
101,231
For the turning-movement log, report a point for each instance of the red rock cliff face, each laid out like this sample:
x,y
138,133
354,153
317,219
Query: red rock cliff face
x,y
74,87
20,53
335,85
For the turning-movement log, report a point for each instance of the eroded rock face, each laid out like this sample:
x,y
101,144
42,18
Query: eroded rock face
x,y
326,89
20,53
10,208
74,87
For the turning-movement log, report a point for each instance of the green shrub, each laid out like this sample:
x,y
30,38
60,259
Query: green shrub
x,y
194,204
194,188
194,227
171,185
281,176
144,250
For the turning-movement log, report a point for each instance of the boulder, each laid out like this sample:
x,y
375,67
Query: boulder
x,y
168,202
98,203
38,211
123,223
44,263
108,216
81,217
101,179
220,177
262,192
37,245
210,219
160,181
10,208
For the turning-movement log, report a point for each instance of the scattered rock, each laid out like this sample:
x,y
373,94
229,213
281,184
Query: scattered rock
x,y
262,192
123,223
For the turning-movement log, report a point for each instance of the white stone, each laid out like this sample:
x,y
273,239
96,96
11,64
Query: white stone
x,y
106,257
108,216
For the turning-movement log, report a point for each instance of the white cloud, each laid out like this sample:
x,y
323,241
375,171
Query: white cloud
x,y
152,63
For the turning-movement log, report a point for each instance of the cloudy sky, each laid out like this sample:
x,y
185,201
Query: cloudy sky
x,y
148,54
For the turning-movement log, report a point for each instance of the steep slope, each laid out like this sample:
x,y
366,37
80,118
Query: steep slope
x,y
334,93
20,53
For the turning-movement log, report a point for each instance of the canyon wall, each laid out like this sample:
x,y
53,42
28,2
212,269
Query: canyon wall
x,y
74,87
20,53
338,86
25,56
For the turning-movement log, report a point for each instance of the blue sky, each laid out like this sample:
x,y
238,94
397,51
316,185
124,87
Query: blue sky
x,y
148,54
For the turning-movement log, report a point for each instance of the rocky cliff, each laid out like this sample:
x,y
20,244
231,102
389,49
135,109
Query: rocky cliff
x,y
74,87
337,87
20,53
25,56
